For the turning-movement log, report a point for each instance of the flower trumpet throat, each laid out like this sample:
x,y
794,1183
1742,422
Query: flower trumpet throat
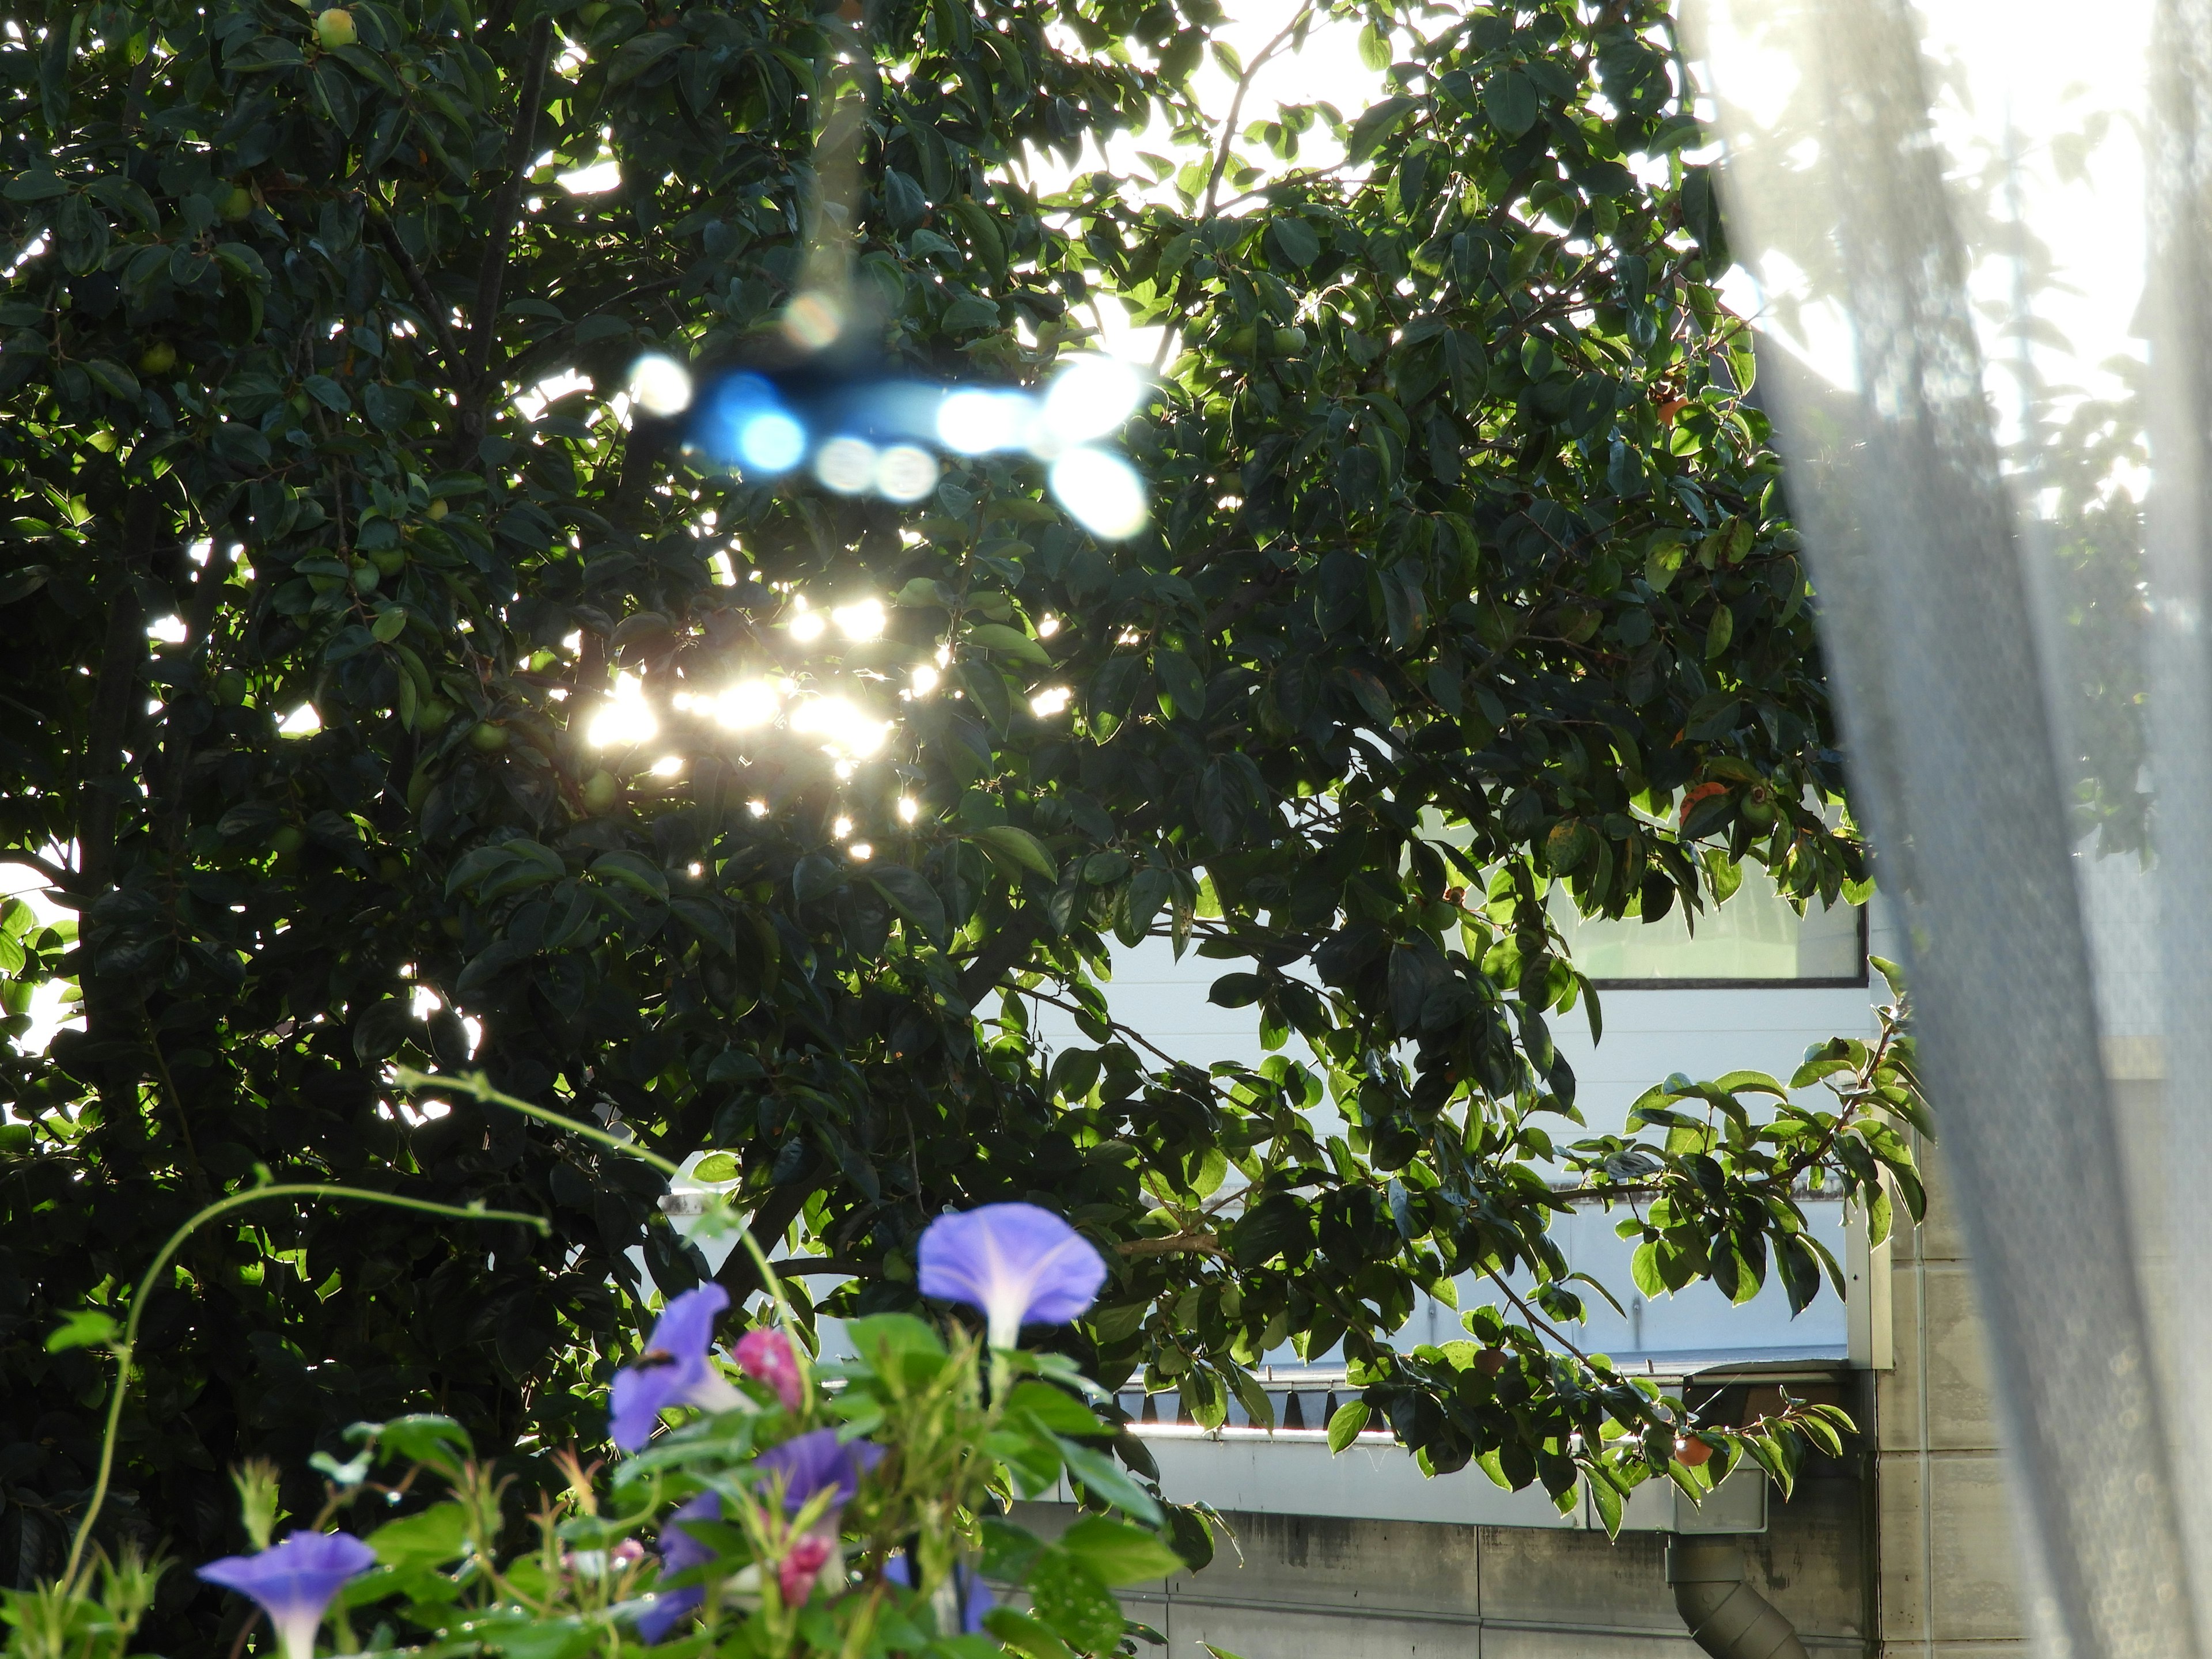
x,y
295,1581
1016,1264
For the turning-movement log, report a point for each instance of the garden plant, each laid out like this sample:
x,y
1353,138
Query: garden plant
x,y
852,1509
393,694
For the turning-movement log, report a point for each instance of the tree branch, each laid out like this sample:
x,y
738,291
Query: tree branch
x,y
122,655
491,275
1006,948
426,301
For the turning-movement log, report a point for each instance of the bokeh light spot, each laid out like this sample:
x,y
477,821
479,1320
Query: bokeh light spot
x,y
1089,399
846,465
907,472
1102,491
660,386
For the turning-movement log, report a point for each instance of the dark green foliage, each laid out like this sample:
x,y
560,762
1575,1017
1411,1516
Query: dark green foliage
x,y
1467,576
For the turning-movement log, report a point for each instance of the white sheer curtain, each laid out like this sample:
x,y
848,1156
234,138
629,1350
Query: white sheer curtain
x,y
1983,234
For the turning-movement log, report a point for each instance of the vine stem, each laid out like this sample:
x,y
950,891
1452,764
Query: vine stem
x,y
123,1349
478,1086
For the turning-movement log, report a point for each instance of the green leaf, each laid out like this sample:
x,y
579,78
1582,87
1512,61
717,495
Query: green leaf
x,y
1019,845
1295,239
912,896
437,1535
1053,1410
424,1437
1344,1426
715,1166
1104,1479
1118,1554
634,871
1376,125
1025,1635
113,378
1069,1597
1008,642
88,1327
1510,100
33,185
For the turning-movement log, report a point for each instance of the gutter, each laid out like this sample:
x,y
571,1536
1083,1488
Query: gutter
x,y
1726,1617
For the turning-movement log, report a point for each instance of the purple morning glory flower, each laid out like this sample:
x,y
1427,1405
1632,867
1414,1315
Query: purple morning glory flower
x,y
816,1462
965,1590
674,1369
295,1581
679,1552
1014,1263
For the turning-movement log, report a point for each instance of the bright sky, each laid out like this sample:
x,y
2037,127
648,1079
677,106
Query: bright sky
x,y
1327,69
2044,92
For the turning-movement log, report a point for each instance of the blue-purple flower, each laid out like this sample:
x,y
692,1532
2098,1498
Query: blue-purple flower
x,y
964,1598
295,1581
674,1369
816,1462
679,1552
1015,1264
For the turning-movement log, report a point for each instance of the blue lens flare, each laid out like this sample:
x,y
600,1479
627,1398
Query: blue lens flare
x,y
743,421
859,431
771,441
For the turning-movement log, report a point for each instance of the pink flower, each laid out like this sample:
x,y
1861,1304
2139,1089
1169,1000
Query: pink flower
x,y
765,1355
796,1573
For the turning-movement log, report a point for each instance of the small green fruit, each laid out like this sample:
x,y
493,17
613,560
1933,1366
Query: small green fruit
x,y
389,560
451,927
438,510
158,358
238,206
599,792
488,738
587,15
364,578
433,716
334,28
1242,342
322,584
230,687
288,839
418,787
390,869
1289,342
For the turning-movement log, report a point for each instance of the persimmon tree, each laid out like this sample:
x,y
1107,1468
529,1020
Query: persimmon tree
x,y
333,537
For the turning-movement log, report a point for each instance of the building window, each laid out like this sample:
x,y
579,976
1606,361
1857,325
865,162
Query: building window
x,y
1755,938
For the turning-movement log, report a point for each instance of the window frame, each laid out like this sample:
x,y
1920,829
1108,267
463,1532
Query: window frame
x,y
1861,978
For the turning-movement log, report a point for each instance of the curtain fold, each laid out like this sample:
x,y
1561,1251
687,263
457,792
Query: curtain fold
x,y
2005,530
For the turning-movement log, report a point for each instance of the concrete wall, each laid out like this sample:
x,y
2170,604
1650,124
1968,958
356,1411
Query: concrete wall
x,y
1299,1587
1949,1577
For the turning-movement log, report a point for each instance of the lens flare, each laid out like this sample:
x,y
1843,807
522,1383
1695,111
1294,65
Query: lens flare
x,y
771,441
749,704
907,472
808,626
862,621
845,729
1103,491
846,465
909,809
660,386
1089,399
925,679
974,422
1053,700
629,719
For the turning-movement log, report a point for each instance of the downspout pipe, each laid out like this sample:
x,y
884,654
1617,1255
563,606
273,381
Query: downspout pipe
x,y
1726,1617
